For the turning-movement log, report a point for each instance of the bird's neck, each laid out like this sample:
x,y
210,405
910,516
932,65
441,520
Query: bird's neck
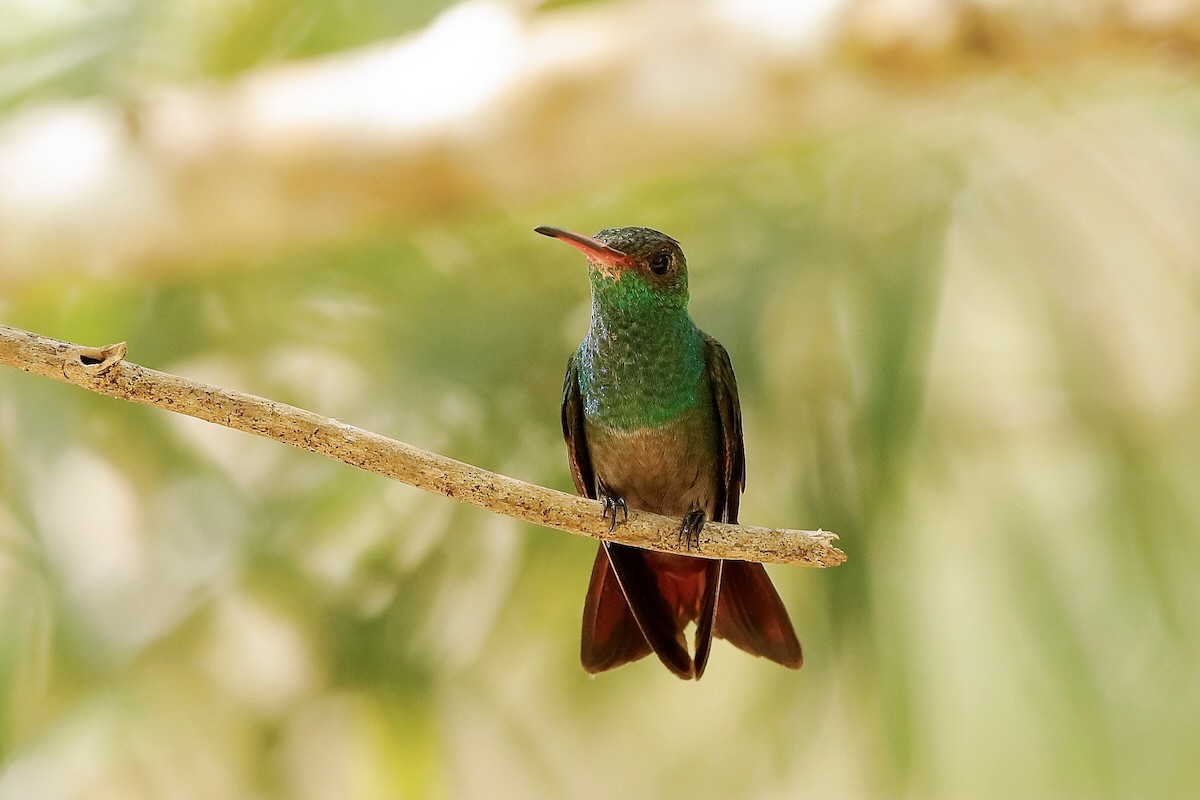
x,y
641,365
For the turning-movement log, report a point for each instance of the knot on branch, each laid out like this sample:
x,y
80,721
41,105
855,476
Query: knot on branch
x,y
98,360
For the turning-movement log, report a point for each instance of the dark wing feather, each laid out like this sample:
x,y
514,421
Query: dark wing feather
x,y
730,482
750,614
572,428
729,415
706,620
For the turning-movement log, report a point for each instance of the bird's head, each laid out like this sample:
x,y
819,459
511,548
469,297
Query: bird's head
x,y
631,267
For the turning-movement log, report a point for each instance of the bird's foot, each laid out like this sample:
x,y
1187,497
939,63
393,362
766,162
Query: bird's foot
x,y
690,527
612,504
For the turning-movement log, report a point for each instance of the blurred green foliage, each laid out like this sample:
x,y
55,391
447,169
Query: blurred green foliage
x,y
122,48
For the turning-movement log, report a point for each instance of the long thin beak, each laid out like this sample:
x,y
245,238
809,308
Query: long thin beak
x,y
608,260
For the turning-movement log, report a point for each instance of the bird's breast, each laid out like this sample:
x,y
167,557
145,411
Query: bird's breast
x,y
668,469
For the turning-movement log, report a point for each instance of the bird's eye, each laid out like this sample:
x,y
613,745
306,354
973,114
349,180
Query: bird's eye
x,y
660,263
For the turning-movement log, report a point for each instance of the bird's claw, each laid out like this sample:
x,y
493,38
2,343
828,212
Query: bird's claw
x,y
612,504
690,527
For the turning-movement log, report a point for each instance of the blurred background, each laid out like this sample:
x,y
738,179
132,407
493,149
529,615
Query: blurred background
x,y
951,245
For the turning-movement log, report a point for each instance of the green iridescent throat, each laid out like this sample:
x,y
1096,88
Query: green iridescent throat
x,y
642,362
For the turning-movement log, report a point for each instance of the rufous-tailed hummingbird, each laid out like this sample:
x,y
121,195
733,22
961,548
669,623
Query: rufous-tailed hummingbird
x,y
651,418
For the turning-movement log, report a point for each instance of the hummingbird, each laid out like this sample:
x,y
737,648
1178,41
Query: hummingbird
x,y
652,421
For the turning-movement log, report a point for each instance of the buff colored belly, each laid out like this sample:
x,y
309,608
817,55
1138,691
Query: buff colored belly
x,y
669,470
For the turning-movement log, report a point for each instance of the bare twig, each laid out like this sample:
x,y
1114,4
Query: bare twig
x,y
104,370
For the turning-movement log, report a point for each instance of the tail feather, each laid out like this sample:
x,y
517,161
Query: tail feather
x,y
611,636
751,616
654,615
633,608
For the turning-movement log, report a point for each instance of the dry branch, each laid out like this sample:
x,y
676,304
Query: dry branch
x,y
104,371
